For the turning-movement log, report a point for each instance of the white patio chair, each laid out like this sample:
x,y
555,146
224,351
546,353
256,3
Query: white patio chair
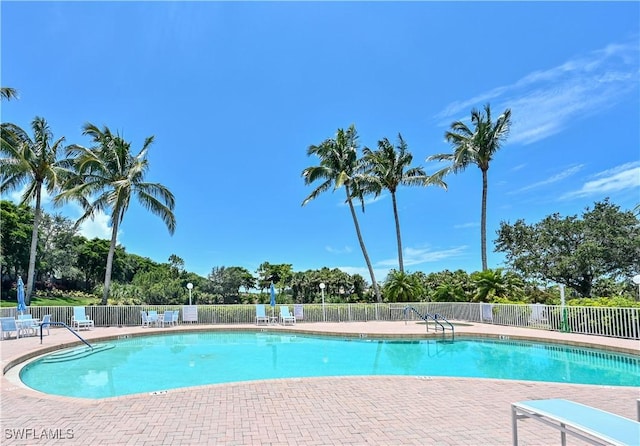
x,y
261,315
80,320
286,316
8,325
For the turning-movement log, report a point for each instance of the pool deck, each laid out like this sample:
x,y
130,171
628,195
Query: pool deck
x,y
382,410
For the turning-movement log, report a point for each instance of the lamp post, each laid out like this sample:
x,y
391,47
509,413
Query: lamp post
x,y
189,287
324,314
564,325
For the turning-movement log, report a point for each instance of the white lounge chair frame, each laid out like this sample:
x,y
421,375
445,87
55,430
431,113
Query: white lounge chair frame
x,y
7,325
80,320
170,318
591,425
146,323
44,325
286,316
261,314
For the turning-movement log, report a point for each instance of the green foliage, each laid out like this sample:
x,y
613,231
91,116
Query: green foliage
x,y
279,274
389,167
340,167
402,287
92,261
34,163
448,286
572,251
617,301
15,235
492,285
106,177
339,286
476,145
63,298
226,282
58,246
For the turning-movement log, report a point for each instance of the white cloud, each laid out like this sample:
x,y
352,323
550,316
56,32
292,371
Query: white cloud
x,y
553,179
412,256
380,274
15,196
97,227
623,177
418,256
466,225
544,102
332,250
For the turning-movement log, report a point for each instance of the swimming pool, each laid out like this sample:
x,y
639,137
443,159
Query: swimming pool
x,y
163,362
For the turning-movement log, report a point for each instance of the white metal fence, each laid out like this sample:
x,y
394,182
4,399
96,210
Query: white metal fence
x,y
601,321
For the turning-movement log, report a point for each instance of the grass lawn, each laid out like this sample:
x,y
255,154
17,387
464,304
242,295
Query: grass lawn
x,y
54,302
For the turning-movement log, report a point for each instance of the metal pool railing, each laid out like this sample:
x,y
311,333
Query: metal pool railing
x,y
600,321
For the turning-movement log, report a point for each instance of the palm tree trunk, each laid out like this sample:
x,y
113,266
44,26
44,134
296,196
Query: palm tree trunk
x,y
395,215
34,247
364,250
483,222
112,250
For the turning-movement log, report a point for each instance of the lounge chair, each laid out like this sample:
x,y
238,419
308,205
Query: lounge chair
x,y
578,420
27,325
261,315
169,318
145,319
80,320
8,324
44,325
152,317
286,316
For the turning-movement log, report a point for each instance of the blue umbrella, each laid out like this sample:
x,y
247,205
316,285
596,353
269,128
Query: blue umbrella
x,y
21,306
273,298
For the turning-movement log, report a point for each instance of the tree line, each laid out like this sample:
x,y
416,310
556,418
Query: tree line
x,y
69,262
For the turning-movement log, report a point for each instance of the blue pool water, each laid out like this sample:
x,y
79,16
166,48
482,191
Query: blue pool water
x,y
157,363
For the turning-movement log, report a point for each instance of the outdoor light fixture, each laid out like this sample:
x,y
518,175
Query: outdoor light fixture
x,y
324,314
189,287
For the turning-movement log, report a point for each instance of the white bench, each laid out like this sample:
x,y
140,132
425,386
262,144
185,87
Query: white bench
x,y
592,425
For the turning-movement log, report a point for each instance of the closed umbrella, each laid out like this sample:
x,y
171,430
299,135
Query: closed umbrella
x,y
273,300
21,306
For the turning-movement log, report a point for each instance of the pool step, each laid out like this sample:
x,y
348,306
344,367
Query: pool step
x,y
76,353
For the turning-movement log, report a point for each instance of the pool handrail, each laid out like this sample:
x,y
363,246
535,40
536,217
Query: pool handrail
x,y
68,328
427,316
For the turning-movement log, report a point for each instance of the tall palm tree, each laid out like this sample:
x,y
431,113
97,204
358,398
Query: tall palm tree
x,y
8,93
106,177
338,167
34,162
476,145
387,168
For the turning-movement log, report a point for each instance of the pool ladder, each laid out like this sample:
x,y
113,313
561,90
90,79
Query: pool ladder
x,y
426,316
68,328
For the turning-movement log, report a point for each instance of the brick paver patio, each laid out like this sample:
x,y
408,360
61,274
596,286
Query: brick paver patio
x,y
312,411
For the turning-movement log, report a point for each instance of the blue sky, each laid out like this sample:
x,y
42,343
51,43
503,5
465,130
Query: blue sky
x,y
235,93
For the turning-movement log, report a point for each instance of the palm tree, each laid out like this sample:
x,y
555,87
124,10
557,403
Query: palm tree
x,y
388,168
338,167
476,146
106,177
8,93
33,162
403,287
